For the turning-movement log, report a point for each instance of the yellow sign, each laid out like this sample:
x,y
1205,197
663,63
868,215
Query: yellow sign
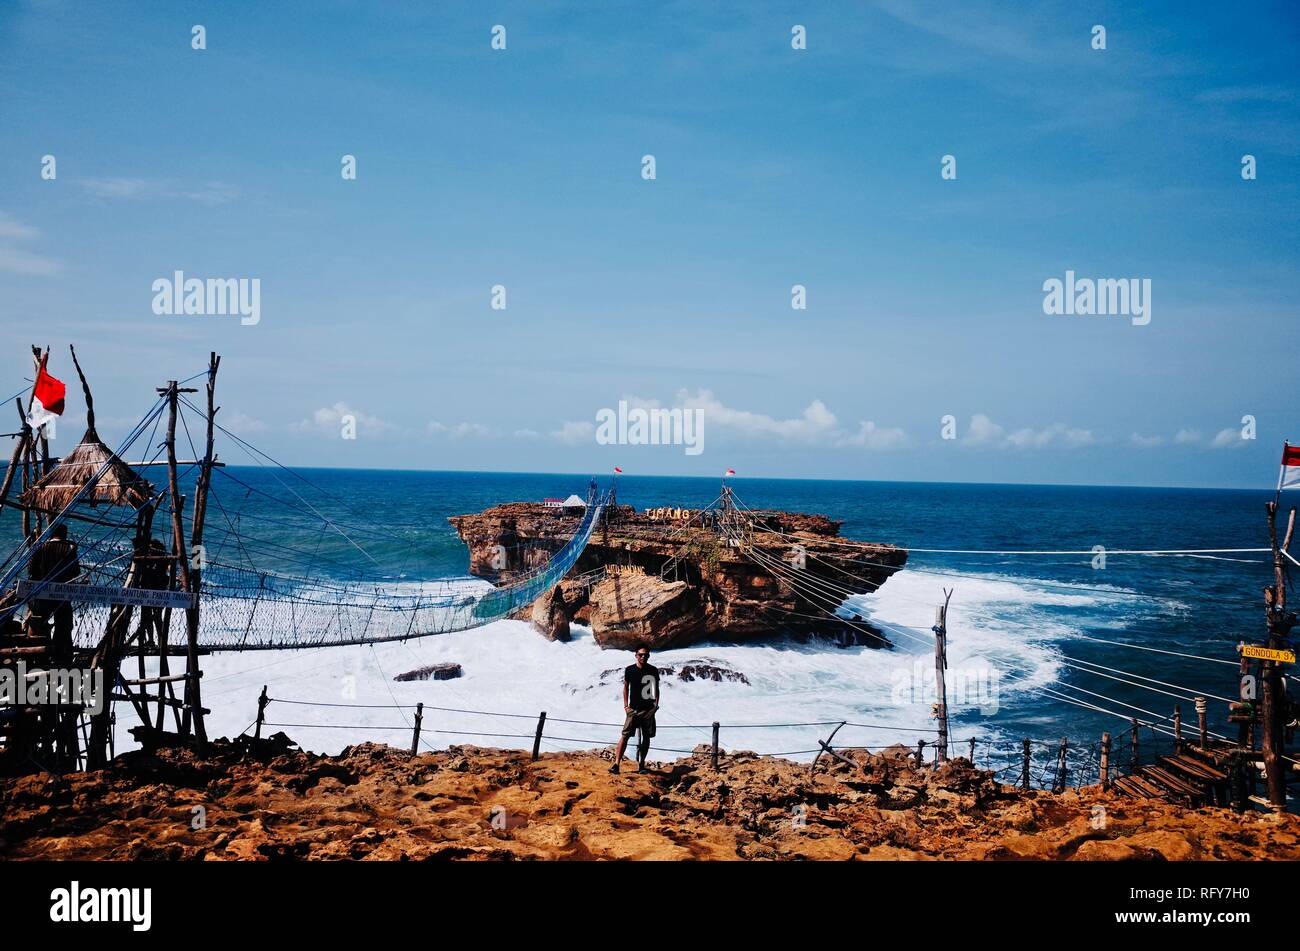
x,y
1268,653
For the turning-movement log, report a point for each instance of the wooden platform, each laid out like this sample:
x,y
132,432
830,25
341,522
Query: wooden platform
x,y
1194,776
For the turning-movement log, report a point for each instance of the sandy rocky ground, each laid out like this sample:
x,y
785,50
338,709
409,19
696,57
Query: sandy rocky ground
x,y
377,802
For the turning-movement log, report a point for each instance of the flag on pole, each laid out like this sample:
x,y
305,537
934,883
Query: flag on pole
x,y
47,399
729,472
1290,474
618,471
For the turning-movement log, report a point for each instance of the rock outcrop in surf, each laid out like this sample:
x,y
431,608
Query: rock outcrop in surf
x,y
661,577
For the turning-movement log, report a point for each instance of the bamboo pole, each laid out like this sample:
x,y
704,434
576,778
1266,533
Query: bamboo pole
x,y
415,736
192,696
537,737
1105,761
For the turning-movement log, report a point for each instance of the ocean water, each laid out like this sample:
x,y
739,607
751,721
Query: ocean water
x,y
1018,626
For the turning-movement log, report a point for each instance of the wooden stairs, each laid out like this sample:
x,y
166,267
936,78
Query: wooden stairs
x,y
1193,776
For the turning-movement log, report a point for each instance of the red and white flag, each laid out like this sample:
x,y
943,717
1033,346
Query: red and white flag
x,y
618,471
729,472
47,399
1290,474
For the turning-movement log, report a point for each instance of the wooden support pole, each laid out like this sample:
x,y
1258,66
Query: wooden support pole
x,y
1105,761
198,518
262,701
537,737
415,736
1024,766
920,753
972,751
1059,784
716,727
1280,622
1202,708
1178,728
940,664
1133,758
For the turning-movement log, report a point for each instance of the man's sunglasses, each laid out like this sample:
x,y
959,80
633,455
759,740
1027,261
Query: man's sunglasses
x,y
642,655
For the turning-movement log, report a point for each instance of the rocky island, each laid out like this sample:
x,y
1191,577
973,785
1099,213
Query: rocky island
x,y
668,578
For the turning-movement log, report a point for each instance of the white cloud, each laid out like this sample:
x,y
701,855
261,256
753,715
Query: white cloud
x,y
1185,436
456,430
815,425
983,431
242,424
1146,442
329,420
871,436
1229,438
574,432
18,260
207,193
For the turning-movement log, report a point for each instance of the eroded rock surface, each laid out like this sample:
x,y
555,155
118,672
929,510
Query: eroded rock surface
x,y
377,802
675,581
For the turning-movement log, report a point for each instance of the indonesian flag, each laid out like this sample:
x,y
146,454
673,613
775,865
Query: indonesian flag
x,y
1290,474
729,472
618,471
47,399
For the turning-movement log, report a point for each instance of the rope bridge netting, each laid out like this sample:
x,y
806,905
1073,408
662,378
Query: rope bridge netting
x,y
245,609
300,603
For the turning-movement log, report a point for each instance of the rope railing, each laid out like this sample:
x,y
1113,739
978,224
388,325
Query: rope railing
x,y
1042,765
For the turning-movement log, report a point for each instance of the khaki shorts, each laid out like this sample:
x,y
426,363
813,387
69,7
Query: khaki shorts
x,y
641,718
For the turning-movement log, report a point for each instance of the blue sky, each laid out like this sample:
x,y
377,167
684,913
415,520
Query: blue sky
x,y
775,167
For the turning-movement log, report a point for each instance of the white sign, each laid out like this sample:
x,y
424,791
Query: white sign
x,y
106,594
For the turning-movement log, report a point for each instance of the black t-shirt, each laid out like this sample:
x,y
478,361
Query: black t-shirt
x,y
54,560
642,686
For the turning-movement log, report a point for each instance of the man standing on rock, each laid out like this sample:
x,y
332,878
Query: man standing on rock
x,y
640,701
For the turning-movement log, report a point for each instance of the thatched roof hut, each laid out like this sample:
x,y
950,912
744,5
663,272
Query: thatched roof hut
x,y
119,485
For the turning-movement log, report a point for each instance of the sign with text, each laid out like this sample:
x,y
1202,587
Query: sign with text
x,y
1268,653
106,594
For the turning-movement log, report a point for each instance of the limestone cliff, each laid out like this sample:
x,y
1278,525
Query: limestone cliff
x,y
664,578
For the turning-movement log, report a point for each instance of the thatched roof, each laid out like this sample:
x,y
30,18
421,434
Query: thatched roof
x,y
119,485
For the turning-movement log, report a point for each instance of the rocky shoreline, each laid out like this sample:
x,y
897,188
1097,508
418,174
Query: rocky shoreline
x,y
666,578
267,801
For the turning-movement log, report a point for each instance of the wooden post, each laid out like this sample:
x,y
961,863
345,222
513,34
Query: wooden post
x,y
24,433
192,697
1237,781
1202,707
1178,728
716,727
1280,622
262,701
1133,758
1059,784
920,753
940,664
1024,767
972,751
179,548
537,737
415,737
1105,761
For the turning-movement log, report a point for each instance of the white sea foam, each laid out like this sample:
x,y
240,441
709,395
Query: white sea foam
x,y
999,624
